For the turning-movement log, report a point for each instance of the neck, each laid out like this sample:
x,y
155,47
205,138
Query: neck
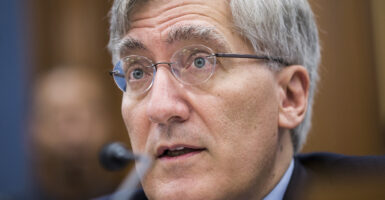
x,y
284,155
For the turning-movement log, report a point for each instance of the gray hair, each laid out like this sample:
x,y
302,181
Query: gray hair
x,y
276,28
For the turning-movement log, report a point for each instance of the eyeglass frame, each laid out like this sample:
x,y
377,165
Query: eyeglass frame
x,y
218,55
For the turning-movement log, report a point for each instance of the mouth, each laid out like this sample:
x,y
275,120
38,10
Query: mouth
x,y
177,152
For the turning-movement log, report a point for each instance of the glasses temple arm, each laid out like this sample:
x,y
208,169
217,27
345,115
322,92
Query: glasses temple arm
x,y
231,55
116,73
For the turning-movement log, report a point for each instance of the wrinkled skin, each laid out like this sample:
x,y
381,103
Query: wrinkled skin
x,y
235,116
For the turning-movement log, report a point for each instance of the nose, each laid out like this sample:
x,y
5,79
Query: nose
x,y
166,102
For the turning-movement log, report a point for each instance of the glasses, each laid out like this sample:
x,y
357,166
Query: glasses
x,y
191,65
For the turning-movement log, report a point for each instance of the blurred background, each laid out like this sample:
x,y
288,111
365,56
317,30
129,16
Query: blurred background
x,y
59,105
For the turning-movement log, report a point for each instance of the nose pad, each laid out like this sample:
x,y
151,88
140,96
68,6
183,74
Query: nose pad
x,y
166,101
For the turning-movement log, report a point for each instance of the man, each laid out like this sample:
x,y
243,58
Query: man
x,y
220,94
67,129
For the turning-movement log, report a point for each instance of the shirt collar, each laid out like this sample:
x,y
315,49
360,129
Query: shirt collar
x,y
280,188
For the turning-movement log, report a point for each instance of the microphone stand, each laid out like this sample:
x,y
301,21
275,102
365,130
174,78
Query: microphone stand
x,y
115,156
129,185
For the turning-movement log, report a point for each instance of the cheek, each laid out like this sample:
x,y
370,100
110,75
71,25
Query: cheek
x,y
244,118
251,124
247,104
136,123
241,116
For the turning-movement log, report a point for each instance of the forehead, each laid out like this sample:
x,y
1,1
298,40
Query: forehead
x,y
154,12
168,22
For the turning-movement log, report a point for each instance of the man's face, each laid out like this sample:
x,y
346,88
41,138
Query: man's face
x,y
227,125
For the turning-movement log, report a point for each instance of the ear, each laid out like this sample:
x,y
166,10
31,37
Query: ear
x,y
293,90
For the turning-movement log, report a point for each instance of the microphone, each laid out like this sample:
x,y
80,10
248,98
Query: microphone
x,y
115,156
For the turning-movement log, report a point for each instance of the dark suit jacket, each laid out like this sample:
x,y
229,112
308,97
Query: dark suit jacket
x,y
332,176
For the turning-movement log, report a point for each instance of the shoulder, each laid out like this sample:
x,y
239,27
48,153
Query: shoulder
x,y
328,174
337,163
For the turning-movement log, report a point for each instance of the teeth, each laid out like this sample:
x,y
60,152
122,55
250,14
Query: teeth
x,y
177,151
174,153
178,148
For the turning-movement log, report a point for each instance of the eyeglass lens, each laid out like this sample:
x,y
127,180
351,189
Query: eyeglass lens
x,y
191,65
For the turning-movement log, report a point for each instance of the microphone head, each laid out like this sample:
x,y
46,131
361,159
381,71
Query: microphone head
x,y
115,156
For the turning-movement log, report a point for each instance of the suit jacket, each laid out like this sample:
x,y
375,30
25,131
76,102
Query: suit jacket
x,y
332,176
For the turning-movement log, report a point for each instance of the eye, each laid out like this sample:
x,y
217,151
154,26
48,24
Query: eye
x,y
199,62
193,65
137,73
137,69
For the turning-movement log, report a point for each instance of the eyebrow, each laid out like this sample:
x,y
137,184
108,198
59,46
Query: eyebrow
x,y
179,33
191,32
129,44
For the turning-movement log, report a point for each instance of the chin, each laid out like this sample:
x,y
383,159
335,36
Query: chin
x,y
179,191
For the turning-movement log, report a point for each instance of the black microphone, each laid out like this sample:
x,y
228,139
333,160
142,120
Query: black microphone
x,y
115,156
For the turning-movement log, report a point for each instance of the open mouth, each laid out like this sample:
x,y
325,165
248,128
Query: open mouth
x,y
179,151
